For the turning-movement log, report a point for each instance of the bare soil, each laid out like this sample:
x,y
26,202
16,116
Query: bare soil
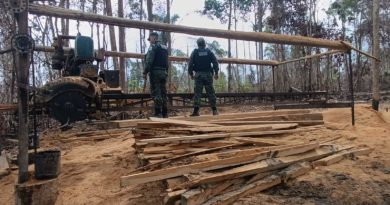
x,y
91,170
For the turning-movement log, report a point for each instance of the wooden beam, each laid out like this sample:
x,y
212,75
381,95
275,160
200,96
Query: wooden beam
x,y
182,122
291,172
170,160
349,46
342,155
233,116
257,167
212,165
292,117
312,56
239,35
222,135
119,54
299,122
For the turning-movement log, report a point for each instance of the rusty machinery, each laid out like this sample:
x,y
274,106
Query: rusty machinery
x,y
76,95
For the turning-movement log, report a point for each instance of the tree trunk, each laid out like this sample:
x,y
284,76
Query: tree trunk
x,y
375,52
112,35
229,68
169,42
122,48
149,4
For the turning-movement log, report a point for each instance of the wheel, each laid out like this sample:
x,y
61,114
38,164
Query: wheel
x,y
68,107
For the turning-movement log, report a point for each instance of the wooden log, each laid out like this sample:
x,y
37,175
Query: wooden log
x,y
312,56
41,48
212,165
340,156
239,35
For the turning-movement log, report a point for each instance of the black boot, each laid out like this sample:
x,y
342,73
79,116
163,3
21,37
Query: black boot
x,y
196,112
157,112
164,112
215,111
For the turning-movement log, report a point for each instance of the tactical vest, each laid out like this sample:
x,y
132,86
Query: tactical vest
x,y
160,57
202,60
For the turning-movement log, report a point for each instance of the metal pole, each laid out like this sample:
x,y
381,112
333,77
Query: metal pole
x,y
351,87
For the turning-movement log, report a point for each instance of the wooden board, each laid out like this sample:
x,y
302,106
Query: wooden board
x,y
241,128
292,117
291,172
145,177
232,116
300,123
221,135
340,156
257,167
258,186
182,122
199,196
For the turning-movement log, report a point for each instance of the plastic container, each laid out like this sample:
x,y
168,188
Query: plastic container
x,y
47,164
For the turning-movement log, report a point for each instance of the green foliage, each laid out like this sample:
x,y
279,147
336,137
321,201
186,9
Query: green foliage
x,y
215,47
344,9
220,85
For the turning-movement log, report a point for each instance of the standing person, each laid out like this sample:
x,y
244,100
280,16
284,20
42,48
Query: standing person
x,y
156,66
200,61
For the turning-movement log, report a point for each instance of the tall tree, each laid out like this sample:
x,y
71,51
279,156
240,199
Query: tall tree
x,y
375,52
122,47
216,9
112,35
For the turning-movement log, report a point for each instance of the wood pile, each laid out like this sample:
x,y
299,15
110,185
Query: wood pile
x,y
218,159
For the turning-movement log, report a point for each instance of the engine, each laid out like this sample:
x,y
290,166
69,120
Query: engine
x,y
76,95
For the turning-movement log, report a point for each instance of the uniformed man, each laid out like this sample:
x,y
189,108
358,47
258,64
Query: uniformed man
x,y
205,65
156,66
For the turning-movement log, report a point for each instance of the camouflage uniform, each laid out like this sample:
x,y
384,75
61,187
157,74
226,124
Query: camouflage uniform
x,y
204,79
200,62
156,65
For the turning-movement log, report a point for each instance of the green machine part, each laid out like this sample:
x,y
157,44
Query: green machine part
x,y
84,48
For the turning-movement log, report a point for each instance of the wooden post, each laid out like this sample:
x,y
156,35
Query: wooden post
x,y
351,86
22,67
273,84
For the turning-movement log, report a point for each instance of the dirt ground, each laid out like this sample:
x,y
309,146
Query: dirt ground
x,y
91,171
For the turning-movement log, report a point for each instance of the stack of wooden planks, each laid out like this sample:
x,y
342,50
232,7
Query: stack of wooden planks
x,y
217,159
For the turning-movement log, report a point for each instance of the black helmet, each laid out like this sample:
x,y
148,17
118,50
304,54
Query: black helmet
x,y
201,42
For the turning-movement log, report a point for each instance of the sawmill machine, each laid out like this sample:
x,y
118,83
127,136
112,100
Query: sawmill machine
x,y
76,95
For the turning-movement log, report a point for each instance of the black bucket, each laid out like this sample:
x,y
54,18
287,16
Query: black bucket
x,y
47,164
